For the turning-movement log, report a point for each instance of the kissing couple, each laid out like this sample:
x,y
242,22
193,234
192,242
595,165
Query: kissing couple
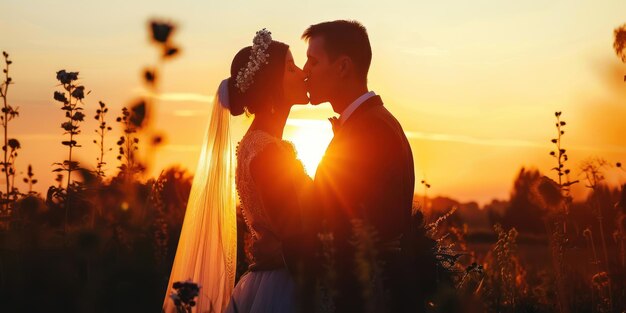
x,y
341,242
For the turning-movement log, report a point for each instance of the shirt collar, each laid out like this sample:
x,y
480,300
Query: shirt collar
x,y
354,105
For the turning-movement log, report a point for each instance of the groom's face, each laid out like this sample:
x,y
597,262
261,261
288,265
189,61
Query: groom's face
x,y
321,72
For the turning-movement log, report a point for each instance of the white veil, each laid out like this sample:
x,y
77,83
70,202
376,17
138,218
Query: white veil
x,y
207,247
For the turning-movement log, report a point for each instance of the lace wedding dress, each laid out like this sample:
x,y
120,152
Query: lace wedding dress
x,y
265,290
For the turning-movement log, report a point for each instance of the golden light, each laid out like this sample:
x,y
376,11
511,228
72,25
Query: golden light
x,y
310,137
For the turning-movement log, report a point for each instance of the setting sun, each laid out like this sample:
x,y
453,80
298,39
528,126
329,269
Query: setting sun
x,y
311,137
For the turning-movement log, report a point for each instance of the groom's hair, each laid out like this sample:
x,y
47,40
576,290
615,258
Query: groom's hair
x,y
343,37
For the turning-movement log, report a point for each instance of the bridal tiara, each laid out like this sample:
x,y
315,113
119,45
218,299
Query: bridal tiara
x,y
258,56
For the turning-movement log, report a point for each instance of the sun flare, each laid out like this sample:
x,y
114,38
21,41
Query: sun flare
x,y
310,137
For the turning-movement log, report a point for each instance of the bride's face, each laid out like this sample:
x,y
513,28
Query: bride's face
x,y
293,82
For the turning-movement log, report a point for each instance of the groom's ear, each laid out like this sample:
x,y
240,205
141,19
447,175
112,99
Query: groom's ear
x,y
346,66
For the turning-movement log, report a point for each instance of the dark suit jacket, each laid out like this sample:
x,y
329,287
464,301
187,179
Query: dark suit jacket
x,y
367,174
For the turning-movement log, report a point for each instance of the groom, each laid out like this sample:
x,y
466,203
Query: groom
x,y
366,175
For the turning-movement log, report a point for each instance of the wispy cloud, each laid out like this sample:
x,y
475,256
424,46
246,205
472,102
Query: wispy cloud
x,y
464,139
504,142
182,148
319,123
474,140
184,96
190,113
177,96
180,97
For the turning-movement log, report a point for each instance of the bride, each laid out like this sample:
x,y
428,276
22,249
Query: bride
x,y
264,82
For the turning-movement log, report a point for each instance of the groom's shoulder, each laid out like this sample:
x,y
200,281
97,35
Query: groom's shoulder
x,y
375,126
376,116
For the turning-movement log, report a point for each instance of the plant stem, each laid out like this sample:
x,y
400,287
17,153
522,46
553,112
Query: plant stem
x,y
558,147
69,169
5,125
555,247
604,250
101,146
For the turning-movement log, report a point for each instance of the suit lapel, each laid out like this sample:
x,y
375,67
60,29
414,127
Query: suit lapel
x,y
341,132
364,107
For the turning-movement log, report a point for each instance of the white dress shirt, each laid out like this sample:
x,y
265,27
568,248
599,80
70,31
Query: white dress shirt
x,y
353,106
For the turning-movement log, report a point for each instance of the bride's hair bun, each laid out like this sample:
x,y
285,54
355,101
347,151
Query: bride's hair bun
x,y
268,81
236,97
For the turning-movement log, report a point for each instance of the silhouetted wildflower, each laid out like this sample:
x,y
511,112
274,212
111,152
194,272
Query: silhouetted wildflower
x,y
171,52
30,180
66,77
8,164
158,139
79,92
103,128
506,270
619,42
138,115
14,144
149,76
593,170
78,116
71,97
184,297
59,96
128,144
140,111
160,223
161,30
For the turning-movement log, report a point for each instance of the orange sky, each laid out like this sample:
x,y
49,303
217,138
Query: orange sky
x,y
474,84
